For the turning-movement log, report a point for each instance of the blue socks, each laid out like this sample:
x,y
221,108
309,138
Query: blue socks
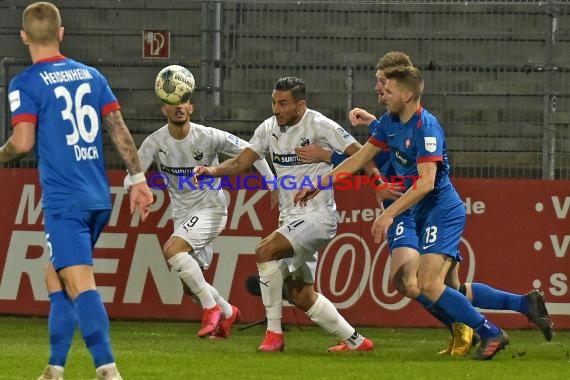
x,y
489,298
459,308
61,326
94,325
487,330
436,311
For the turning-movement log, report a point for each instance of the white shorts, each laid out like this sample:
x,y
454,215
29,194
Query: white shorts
x,y
199,229
307,233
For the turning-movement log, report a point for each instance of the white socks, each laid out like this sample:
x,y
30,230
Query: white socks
x,y
325,314
190,273
271,284
225,305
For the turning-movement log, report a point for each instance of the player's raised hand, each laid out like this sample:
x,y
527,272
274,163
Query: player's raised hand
x,y
141,197
313,153
360,117
304,195
380,227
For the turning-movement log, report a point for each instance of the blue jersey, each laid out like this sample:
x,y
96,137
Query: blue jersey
x,y
381,159
419,140
66,100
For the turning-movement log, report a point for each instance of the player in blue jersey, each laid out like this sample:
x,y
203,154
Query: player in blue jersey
x,y
418,150
402,238
532,304
59,105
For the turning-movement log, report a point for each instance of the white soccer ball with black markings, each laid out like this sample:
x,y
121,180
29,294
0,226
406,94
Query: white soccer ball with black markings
x,y
174,84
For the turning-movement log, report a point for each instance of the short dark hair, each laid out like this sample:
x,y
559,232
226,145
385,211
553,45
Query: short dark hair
x,y
293,84
408,76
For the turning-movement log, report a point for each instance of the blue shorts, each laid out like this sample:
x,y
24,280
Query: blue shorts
x,y
440,230
71,237
402,232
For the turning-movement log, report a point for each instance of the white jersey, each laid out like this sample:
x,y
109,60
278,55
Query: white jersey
x,y
281,142
177,158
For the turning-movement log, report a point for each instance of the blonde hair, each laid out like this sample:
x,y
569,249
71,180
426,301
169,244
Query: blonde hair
x,y
409,77
393,59
41,22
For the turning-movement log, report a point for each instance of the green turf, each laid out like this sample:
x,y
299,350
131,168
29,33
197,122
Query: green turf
x,y
165,350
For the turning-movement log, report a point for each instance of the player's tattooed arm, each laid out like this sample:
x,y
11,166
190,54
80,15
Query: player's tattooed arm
x,y
20,143
123,141
9,153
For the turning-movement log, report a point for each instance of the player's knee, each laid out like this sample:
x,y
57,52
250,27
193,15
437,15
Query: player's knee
x,y
409,289
406,285
167,250
174,246
264,252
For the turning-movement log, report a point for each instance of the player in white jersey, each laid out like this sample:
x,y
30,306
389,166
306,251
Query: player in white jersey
x,y
199,215
289,252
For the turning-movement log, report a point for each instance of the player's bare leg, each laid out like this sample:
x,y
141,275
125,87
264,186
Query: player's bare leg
x,y
403,274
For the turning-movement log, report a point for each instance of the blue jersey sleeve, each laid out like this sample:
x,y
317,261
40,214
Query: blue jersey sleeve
x,y
23,104
109,101
337,158
430,141
379,137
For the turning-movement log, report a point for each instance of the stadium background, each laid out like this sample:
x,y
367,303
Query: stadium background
x,y
497,76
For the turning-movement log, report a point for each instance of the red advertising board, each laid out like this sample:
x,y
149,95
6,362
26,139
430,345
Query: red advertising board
x,y
517,238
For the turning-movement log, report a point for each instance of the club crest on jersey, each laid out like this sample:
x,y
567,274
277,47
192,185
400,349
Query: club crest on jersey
x,y
197,154
430,144
304,141
408,143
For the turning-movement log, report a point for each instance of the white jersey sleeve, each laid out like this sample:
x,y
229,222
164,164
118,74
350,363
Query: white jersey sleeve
x,y
259,142
147,153
334,136
227,143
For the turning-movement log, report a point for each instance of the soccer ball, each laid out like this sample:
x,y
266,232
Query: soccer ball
x,y
174,84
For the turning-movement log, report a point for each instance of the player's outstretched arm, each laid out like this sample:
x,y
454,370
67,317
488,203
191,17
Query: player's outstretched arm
x,y
424,184
20,143
235,165
123,141
140,196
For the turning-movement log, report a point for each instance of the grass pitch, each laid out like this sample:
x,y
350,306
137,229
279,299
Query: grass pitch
x,y
171,350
